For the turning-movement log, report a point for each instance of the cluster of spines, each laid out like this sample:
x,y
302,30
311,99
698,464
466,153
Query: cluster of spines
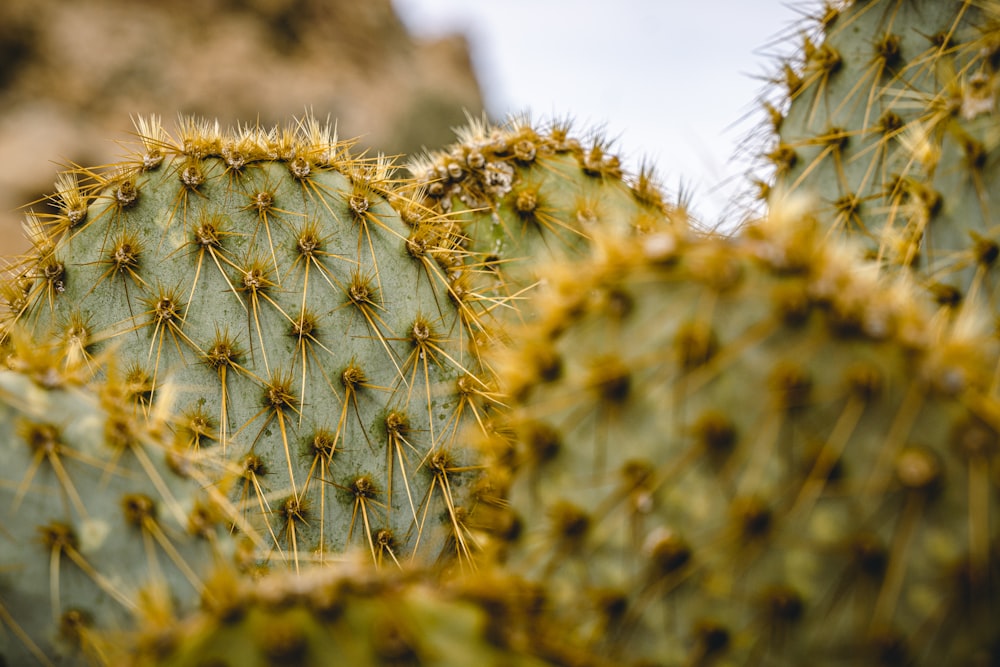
x,y
272,264
887,114
749,451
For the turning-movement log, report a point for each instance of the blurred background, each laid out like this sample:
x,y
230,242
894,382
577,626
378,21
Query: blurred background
x,y
674,83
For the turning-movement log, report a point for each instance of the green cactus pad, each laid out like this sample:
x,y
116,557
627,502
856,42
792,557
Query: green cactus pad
x,y
749,451
100,512
888,115
268,274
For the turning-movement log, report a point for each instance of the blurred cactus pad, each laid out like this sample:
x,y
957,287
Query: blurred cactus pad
x,y
102,514
269,274
750,452
887,113
344,614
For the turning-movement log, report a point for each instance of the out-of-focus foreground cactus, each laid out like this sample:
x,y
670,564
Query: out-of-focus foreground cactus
x,y
267,274
345,614
750,452
888,114
102,514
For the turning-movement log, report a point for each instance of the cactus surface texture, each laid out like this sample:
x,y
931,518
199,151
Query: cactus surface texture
x,y
268,275
749,451
101,515
888,114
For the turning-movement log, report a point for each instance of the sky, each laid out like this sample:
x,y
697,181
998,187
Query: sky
x,y
676,83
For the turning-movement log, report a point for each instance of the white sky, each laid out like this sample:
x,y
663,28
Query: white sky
x,y
672,80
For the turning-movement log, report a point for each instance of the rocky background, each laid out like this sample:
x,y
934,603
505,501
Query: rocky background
x,y
72,73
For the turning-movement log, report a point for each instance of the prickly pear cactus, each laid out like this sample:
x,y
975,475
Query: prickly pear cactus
x,y
748,451
888,114
515,197
349,615
268,274
100,514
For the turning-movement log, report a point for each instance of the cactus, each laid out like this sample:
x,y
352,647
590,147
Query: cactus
x,y
750,451
101,514
360,617
701,451
887,114
269,276
516,197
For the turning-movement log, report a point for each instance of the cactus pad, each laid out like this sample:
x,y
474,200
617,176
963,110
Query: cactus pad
x,y
268,274
749,451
